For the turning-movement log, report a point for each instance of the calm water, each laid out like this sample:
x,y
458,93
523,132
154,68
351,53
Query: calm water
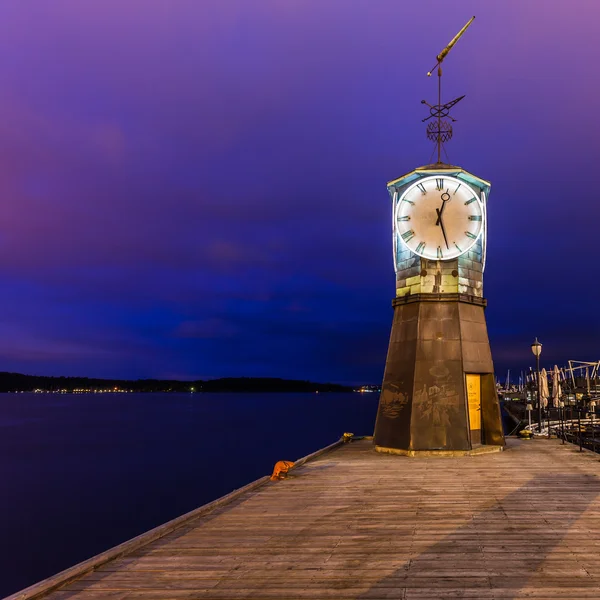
x,y
79,474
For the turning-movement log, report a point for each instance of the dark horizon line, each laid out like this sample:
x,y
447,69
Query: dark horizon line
x,y
10,381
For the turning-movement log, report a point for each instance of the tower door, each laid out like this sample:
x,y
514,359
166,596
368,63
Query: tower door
x,y
474,400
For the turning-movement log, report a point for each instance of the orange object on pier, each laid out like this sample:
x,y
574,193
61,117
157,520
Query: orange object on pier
x,y
281,469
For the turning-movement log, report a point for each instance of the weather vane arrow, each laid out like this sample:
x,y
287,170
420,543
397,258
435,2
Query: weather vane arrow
x,y
442,55
442,110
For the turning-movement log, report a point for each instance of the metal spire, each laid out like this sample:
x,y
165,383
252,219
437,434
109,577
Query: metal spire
x,y
441,131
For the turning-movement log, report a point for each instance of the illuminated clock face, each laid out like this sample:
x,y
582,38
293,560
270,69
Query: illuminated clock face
x,y
439,217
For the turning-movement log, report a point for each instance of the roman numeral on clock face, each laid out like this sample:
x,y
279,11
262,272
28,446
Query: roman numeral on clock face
x,y
439,184
422,188
439,252
408,235
474,217
456,190
471,200
470,235
407,200
403,218
421,247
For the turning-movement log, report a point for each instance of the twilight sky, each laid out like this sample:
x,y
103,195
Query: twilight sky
x,y
196,189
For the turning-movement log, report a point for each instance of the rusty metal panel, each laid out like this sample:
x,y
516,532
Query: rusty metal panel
x,y
439,418
490,412
477,356
423,403
392,428
474,332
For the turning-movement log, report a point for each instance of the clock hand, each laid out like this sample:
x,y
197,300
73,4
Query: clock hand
x,y
441,210
443,231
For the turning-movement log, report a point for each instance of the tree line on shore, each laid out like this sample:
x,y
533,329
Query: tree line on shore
x,y
17,382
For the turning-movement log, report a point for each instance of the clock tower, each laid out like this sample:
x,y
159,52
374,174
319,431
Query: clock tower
x,y
438,393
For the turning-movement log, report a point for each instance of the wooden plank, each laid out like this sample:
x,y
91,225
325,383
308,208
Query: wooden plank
x,y
354,523
43,588
47,585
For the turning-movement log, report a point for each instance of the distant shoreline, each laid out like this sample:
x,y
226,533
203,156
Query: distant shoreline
x,y
18,382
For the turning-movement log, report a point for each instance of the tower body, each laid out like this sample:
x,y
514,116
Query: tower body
x,y
438,392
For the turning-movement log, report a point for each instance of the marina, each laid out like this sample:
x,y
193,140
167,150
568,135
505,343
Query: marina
x,y
578,425
354,523
200,183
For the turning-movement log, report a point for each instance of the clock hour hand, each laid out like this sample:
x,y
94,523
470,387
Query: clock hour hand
x,y
439,212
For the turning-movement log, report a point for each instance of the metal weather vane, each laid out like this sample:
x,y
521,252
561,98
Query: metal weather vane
x,y
439,130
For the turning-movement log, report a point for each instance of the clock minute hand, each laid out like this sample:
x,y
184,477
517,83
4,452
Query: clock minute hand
x,y
440,222
444,231
439,212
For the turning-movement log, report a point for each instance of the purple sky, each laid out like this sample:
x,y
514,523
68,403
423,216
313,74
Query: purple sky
x,y
196,189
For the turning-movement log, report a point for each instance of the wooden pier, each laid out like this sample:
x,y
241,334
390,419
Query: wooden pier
x,y
352,523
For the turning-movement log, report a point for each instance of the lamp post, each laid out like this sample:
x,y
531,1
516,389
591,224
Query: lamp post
x,y
536,348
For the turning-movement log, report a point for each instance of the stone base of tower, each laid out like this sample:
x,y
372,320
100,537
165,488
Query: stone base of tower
x,y
438,393
437,453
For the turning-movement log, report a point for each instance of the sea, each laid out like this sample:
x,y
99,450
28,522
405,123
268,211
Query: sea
x,y
80,473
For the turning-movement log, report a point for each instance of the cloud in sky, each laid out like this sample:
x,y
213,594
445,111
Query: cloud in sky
x,y
199,187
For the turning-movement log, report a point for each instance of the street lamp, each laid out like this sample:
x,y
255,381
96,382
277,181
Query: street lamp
x,y
536,348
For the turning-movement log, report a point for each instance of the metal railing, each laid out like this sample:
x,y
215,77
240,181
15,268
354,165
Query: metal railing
x,y
579,425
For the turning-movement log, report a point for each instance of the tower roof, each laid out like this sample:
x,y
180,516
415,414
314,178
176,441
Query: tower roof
x,y
433,168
